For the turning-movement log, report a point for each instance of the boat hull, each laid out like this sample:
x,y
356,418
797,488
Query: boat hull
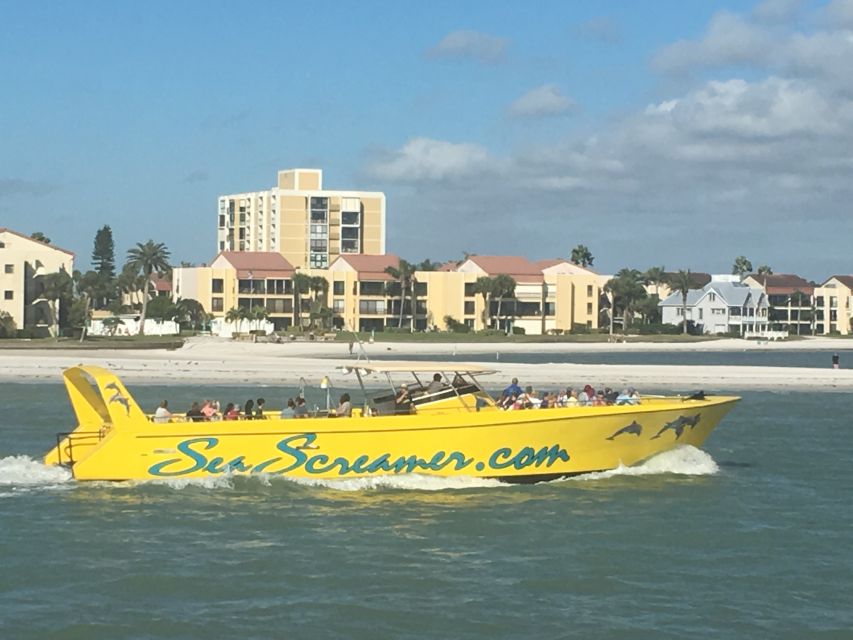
x,y
515,446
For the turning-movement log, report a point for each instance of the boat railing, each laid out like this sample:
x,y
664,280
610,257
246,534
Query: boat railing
x,y
67,440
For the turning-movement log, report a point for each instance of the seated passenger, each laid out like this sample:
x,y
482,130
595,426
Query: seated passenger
x,y
344,409
249,409
195,414
289,410
162,415
436,385
301,410
259,409
572,398
231,412
208,410
403,396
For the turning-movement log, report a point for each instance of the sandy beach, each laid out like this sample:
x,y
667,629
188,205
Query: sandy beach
x,y
219,361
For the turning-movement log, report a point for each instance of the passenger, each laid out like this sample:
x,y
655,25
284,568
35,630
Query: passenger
x,y
289,410
436,385
207,410
162,415
508,402
610,395
598,400
626,397
403,396
249,409
635,397
586,396
231,412
552,400
572,398
459,381
301,409
195,413
533,400
512,390
344,409
259,409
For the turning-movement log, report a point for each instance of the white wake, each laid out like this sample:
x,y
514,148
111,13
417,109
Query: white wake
x,y
685,460
23,471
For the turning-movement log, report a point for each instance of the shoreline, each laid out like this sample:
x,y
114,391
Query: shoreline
x,y
222,362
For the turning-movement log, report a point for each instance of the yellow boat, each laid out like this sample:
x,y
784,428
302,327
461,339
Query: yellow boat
x,y
457,431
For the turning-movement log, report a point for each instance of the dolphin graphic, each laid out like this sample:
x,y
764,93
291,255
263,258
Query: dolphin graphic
x,y
113,386
117,397
678,426
635,428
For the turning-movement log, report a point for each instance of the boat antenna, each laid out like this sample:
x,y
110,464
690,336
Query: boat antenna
x,y
302,383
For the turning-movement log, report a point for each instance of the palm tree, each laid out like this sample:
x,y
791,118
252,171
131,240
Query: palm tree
x,y
55,286
404,274
147,259
655,276
38,236
235,316
257,315
87,285
8,329
741,266
193,312
485,286
682,282
582,256
503,286
301,287
627,290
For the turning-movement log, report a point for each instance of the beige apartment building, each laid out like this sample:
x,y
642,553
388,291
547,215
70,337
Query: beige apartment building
x,y
550,295
834,306
24,260
308,225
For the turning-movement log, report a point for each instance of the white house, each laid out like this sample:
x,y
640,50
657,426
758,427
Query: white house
x,y
719,307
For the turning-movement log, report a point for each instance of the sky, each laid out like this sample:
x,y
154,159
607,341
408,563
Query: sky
x,y
676,134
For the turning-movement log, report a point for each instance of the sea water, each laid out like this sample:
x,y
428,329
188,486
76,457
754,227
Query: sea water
x,y
748,538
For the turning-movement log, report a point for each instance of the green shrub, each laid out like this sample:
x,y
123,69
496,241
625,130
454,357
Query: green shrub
x,y
455,326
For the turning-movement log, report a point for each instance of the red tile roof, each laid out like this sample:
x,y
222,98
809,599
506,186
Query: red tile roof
x,y
258,264
371,267
521,269
783,283
21,235
161,283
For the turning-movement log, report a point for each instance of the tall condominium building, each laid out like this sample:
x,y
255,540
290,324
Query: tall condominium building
x,y
306,224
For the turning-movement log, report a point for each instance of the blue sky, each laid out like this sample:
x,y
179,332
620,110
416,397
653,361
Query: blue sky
x,y
675,133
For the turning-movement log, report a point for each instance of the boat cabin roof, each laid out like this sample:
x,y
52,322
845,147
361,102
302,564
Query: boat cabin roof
x,y
401,366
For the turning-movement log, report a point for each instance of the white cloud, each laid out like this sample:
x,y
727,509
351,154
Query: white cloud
x,y
601,29
840,13
545,100
776,11
728,40
478,46
428,160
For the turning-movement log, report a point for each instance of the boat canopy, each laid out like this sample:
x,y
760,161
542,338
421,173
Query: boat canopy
x,y
401,366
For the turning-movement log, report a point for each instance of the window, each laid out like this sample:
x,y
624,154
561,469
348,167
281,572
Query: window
x,y
318,245
338,287
712,297
2,245
469,289
10,268
589,308
589,291
549,309
349,233
420,288
718,312
338,305
216,285
351,218
349,246
319,260
8,295
372,288
679,311
371,307
221,221
216,304
469,307
701,313
280,305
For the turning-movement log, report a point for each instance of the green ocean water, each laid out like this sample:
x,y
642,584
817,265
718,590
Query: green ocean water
x,y
748,538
